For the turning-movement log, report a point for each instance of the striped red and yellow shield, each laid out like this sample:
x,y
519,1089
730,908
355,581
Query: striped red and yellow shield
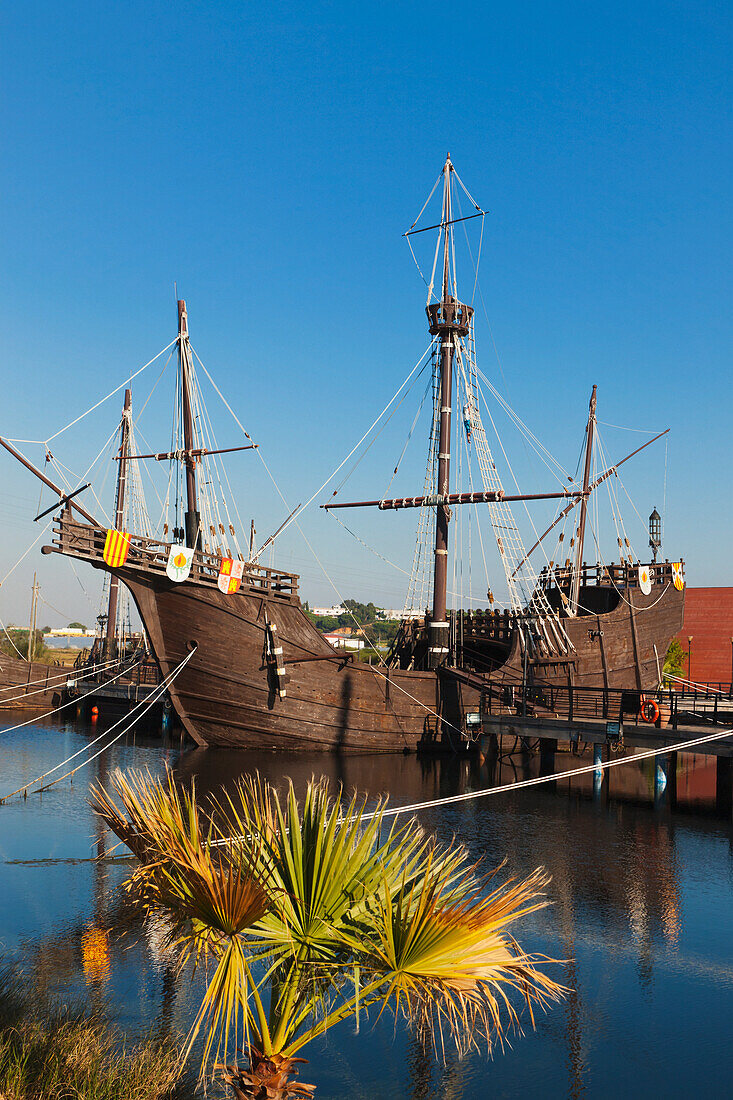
x,y
116,546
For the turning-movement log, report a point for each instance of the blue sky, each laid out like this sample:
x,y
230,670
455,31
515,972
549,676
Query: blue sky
x,y
268,159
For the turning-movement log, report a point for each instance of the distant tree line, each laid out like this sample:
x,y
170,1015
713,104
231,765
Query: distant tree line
x,y
365,615
15,642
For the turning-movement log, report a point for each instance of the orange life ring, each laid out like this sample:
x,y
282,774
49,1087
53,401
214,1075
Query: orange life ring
x,y
649,711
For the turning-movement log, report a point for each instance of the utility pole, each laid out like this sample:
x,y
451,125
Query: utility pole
x,y
32,623
110,644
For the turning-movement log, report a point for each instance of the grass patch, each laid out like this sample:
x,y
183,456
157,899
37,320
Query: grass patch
x,y
52,1053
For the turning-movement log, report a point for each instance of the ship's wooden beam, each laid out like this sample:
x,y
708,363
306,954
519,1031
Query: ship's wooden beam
x,y
484,496
63,497
196,452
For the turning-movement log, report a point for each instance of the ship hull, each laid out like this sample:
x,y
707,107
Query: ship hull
x,y
623,648
227,694
250,670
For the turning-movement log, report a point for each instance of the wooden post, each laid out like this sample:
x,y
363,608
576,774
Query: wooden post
x,y
32,622
724,786
635,641
548,748
110,644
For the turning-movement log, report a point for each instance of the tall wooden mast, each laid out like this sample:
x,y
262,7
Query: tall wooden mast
x,y
110,642
192,517
448,319
590,431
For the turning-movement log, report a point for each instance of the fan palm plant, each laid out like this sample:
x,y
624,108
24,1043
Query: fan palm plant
x,y
309,915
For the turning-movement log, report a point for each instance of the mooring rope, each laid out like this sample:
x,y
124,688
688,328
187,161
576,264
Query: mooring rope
x,y
696,687
681,746
146,704
416,807
56,710
54,681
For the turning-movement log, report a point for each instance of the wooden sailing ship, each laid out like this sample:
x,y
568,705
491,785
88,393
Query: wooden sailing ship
x,y
260,675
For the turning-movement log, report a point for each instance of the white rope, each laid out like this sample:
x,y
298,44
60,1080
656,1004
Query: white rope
x,y
417,219
623,428
682,746
697,684
150,702
353,449
45,529
145,704
470,796
366,545
100,402
341,464
56,710
26,553
428,389
54,681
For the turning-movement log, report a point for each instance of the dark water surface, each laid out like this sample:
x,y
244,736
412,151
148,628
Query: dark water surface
x,y
643,912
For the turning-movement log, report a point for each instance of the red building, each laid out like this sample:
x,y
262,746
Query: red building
x,y
709,622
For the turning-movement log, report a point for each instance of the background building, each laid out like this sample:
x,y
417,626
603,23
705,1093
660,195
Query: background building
x,y
709,623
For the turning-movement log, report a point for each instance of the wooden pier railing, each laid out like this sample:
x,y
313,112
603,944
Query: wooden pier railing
x,y
570,703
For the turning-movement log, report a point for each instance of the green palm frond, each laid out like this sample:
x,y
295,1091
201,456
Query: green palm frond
x,y
308,914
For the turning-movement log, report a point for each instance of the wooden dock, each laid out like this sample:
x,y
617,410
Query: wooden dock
x,y
603,716
556,732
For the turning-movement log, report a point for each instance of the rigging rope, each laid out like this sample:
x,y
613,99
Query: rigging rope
x,y
56,710
155,695
54,681
101,401
5,632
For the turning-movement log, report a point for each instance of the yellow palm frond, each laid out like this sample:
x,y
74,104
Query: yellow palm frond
x,y
452,965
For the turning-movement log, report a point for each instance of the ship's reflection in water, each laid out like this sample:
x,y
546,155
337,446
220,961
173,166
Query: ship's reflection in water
x,y
642,892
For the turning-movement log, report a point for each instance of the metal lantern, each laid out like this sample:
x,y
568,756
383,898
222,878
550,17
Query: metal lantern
x,y
655,532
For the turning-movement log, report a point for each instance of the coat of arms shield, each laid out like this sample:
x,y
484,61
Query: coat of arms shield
x,y
179,563
116,545
645,580
230,575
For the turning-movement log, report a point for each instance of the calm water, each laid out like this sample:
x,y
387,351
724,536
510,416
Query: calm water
x,y
643,912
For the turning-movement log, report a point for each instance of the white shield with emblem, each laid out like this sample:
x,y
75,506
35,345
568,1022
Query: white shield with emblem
x,y
645,580
179,563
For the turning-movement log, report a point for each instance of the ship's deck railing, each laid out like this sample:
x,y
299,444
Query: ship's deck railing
x,y
619,575
80,540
